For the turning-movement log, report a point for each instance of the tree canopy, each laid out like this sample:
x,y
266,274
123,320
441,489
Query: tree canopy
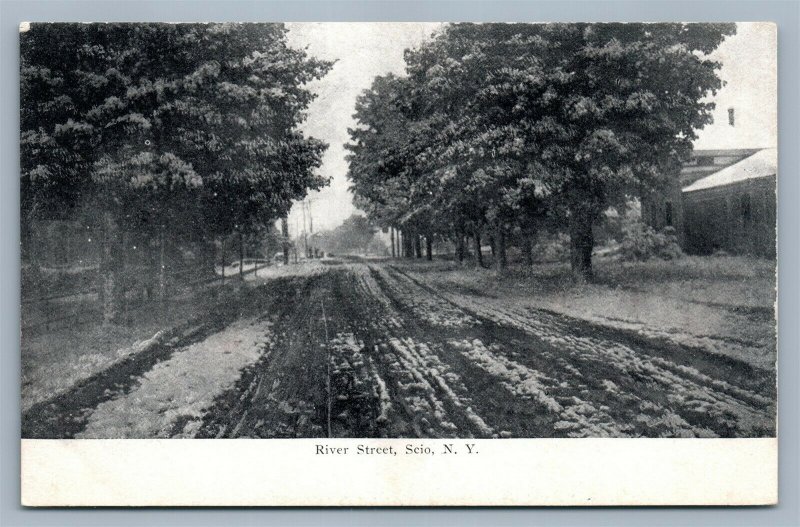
x,y
185,129
140,114
354,236
508,124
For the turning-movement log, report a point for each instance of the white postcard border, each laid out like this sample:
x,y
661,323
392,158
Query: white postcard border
x,y
500,472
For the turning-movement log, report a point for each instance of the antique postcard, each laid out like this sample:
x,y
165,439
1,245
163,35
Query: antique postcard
x,y
398,263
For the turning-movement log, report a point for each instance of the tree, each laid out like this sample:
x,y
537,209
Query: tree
x,y
182,131
578,115
509,127
353,236
379,164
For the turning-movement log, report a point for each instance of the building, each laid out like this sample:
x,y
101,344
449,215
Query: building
x,y
665,209
722,200
724,197
733,209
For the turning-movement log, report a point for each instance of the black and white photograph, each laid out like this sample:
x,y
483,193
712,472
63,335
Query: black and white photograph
x,y
398,230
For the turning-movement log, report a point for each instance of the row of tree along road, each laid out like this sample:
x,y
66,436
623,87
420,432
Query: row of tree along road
x,y
513,129
178,138
178,135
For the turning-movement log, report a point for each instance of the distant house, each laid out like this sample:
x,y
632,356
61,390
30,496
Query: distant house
x,y
723,198
665,209
733,209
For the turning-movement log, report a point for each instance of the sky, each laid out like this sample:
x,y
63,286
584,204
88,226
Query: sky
x,y
362,51
749,69
366,50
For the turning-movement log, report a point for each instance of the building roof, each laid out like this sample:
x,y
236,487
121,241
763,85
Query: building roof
x,y
723,152
722,158
761,164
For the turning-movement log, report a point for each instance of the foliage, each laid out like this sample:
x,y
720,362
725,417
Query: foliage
x,y
377,247
641,242
353,236
553,248
180,131
533,125
151,118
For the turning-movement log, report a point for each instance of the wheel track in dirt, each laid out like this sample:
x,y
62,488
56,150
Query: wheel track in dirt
x,y
374,363
253,407
650,376
66,414
472,370
395,334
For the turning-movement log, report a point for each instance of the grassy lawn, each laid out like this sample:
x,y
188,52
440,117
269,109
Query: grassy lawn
x,y
724,304
76,352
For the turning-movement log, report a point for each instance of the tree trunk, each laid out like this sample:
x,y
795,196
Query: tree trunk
x,y
111,264
408,247
241,257
460,247
26,241
285,239
223,260
209,256
30,254
527,248
429,247
500,261
267,252
493,245
162,266
418,245
391,232
125,281
581,244
478,251
211,248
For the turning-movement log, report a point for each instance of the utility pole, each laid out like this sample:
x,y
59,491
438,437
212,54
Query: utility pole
x,y
305,235
311,229
297,230
311,226
284,239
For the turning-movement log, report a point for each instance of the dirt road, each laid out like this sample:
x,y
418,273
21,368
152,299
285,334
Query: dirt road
x,y
375,350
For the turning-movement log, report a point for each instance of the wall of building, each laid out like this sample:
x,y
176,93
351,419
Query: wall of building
x,y
738,218
665,209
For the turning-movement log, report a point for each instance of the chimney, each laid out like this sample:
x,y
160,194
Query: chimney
x,y
731,116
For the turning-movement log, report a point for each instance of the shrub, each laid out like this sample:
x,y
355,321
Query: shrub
x,y
641,242
552,249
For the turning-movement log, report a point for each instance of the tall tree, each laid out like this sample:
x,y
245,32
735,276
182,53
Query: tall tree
x,y
190,130
353,236
591,113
